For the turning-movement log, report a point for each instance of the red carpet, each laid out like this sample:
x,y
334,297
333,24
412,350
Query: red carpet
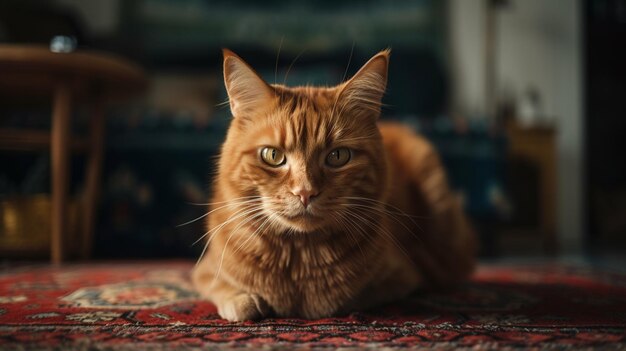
x,y
151,306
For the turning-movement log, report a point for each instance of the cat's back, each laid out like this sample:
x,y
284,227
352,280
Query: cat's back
x,y
407,151
418,187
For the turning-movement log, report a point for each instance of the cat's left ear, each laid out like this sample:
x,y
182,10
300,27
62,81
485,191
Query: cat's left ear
x,y
363,93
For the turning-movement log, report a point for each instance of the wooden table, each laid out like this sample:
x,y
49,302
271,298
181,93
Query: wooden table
x,y
93,78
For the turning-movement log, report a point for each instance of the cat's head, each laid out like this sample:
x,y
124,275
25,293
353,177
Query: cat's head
x,y
307,152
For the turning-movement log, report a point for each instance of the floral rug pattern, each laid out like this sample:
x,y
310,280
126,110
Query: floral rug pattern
x,y
153,306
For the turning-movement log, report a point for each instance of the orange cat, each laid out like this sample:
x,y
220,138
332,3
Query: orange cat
x,y
320,210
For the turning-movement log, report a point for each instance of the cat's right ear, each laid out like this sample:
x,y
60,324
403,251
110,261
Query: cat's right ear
x,y
247,91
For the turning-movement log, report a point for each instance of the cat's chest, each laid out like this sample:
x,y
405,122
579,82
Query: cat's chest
x,y
309,292
309,281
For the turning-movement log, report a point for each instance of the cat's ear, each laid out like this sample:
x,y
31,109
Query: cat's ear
x,y
247,91
363,93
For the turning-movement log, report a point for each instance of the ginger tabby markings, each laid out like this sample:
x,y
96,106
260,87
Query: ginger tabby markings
x,y
318,209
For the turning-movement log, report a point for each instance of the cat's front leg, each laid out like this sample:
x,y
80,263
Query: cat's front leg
x,y
243,307
232,304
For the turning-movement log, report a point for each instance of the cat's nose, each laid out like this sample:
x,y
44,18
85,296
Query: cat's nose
x,y
306,195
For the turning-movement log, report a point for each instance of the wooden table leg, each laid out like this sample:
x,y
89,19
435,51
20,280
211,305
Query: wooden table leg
x,y
61,134
93,174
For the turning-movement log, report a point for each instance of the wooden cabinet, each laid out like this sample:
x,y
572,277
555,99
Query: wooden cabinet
x,y
536,146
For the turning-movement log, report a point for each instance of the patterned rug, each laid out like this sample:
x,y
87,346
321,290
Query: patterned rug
x,y
152,306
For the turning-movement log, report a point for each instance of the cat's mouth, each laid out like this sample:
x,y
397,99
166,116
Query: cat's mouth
x,y
304,222
302,216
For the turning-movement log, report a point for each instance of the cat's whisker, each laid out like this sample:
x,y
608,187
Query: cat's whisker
x,y
291,65
345,73
265,220
278,56
386,204
234,231
339,221
271,219
231,204
219,269
239,213
382,211
246,210
230,236
380,229
227,201
389,236
198,218
233,216
364,233
244,243
206,246
251,220
231,233
223,103
391,215
218,228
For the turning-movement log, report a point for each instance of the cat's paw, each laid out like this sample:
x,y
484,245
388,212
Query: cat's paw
x,y
244,307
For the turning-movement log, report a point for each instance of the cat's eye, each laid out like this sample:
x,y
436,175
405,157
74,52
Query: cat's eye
x,y
338,157
273,156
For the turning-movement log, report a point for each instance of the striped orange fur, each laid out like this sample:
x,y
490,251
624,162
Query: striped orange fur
x,y
293,231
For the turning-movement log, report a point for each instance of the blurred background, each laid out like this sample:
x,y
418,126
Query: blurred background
x,y
524,99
